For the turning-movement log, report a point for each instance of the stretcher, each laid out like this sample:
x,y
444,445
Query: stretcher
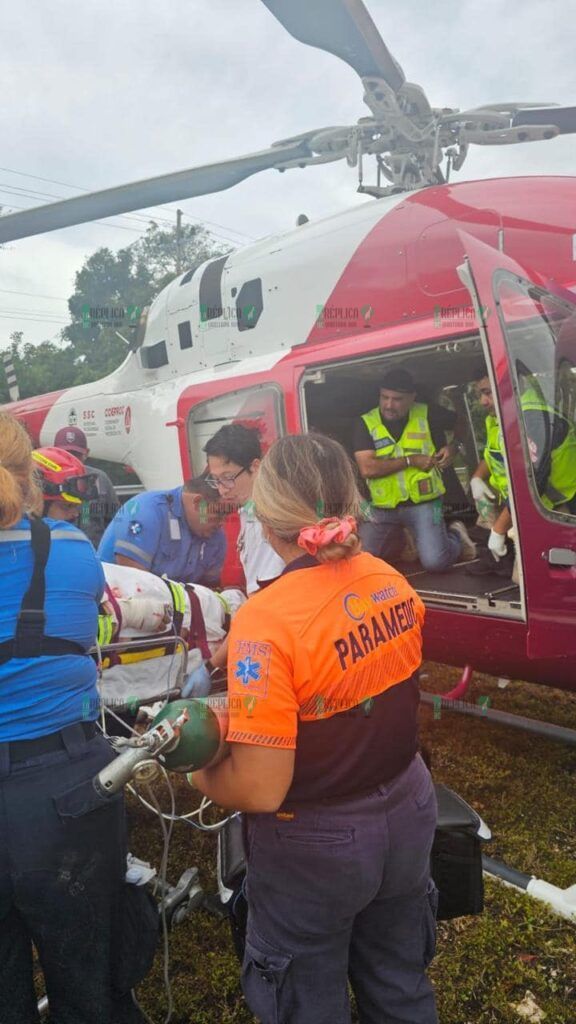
x,y
154,631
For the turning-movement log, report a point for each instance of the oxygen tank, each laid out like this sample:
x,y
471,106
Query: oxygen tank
x,y
202,738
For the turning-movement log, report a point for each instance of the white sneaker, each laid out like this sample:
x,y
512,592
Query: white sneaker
x,y
468,547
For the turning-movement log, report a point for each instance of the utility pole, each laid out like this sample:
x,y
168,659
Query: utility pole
x,y
178,241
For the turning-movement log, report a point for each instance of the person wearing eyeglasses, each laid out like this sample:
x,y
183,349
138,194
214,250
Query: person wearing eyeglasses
x,y
234,456
175,533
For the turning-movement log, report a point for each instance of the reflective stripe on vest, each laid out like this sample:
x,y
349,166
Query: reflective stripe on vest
x,y
9,536
106,625
561,484
409,484
494,458
178,594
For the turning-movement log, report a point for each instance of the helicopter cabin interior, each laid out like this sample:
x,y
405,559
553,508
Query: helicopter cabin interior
x,y
334,396
541,341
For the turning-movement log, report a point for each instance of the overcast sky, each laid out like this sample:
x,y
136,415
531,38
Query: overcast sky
x,y
99,94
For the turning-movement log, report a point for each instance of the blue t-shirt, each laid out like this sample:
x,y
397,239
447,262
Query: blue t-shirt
x,y
42,695
151,529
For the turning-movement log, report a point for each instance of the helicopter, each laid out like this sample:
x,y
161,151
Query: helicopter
x,y
293,332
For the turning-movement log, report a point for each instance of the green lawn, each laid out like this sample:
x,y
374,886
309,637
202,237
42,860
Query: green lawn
x,y
523,786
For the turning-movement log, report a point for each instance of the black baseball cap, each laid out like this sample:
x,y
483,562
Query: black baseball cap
x,y
398,380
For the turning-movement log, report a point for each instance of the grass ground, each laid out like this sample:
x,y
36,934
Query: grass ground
x,y
523,786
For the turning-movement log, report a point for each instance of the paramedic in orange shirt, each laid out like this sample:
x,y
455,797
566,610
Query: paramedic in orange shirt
x,y
341,809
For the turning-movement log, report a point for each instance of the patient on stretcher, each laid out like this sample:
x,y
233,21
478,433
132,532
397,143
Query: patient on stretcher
x,y
138,606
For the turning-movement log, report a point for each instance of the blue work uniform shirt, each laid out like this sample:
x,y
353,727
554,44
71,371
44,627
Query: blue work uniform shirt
x,y
151,529
39,696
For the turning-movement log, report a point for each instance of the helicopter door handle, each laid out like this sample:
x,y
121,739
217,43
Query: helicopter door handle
x,y
560,557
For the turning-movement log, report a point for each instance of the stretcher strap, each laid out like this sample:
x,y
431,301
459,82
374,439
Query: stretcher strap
x,y
198,636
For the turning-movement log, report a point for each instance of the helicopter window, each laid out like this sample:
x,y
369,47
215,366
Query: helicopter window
x,y
260,407
154,356
210,292
249,305
125,479
187,277
541,333
185,334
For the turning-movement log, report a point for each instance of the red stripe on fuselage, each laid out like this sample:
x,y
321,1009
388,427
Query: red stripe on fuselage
x,y
32,412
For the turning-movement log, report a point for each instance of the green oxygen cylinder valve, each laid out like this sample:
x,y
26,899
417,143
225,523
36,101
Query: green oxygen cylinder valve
x,y
200,736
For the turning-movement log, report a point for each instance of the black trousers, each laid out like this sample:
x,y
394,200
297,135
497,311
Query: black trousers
x,y
62,868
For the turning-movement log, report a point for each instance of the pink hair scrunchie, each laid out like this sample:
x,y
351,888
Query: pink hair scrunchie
x,y
327,531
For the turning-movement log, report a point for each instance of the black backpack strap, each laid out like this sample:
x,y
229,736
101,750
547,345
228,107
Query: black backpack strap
x,y
29,640
32,618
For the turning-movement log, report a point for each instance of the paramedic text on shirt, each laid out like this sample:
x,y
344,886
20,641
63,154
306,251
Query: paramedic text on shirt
x,y
340,808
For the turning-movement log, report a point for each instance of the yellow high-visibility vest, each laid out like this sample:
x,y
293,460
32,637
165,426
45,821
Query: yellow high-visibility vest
x,y
409,484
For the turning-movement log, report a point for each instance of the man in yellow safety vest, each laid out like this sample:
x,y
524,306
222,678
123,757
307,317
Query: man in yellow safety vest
x,y
401,449
552,446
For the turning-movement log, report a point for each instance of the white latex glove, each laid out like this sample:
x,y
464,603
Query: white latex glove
x,y
480,490
497,545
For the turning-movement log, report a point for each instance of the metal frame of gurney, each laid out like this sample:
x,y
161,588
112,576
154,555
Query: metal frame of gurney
x,y
134,676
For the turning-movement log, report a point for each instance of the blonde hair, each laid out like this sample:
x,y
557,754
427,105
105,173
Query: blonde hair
x,y
19,492
302,479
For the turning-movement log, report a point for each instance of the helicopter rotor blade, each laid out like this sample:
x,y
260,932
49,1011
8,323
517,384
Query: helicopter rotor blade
x,y
139,195
343,28
563,117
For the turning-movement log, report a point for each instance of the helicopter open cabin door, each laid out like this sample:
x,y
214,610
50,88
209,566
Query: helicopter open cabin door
x,y
529,336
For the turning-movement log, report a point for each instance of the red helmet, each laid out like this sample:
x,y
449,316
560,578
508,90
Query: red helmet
x,y
63,477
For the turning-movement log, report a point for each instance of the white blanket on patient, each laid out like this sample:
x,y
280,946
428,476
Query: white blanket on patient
x,y
143,609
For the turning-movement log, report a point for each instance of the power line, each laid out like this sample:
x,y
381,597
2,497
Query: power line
x,y
19,315
250,238
34,312
31,319
9,189
53,181
118,227
34,295
23,194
